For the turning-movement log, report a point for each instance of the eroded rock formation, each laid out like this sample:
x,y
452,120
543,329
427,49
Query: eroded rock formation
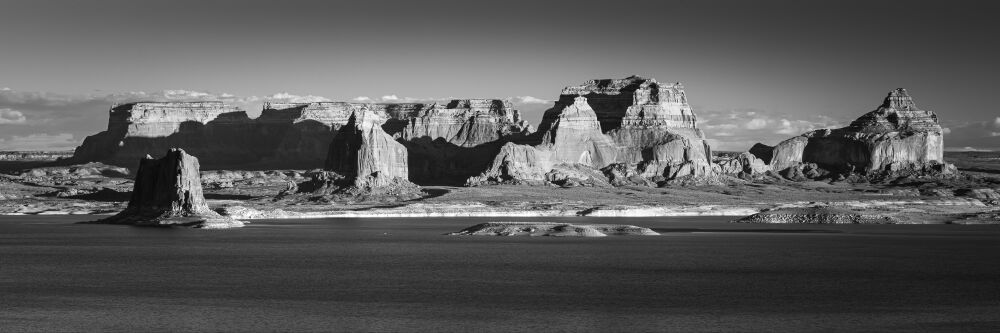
x,y
743,165
633,123
285,136
896,139
363,152
168,192
450,142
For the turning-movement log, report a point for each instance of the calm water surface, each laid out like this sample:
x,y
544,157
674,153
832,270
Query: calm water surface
x,y
703,274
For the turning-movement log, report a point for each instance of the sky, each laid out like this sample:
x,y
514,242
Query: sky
x,y
754,71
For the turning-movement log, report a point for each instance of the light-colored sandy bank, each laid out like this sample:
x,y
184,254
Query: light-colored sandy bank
x,y
554,229
483,210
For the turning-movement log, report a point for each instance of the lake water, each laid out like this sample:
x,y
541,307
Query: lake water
x,y
703,274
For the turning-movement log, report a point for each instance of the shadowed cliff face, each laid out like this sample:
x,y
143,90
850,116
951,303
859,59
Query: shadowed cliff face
x,y
221,133
448,143
894,137
298,135
204,128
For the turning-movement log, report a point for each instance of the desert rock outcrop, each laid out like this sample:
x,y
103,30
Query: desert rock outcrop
x,y
634,123
817,215
363,152
168,192
743,165
285,136
896,139
450,142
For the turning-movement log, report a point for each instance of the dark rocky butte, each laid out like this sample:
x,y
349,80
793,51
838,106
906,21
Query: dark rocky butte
x,y
168,192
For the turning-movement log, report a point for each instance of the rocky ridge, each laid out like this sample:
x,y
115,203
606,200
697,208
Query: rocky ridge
x,y
137,128
631,131
298,135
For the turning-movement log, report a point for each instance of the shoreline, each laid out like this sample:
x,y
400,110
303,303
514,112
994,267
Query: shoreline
x,y
903,211
428,210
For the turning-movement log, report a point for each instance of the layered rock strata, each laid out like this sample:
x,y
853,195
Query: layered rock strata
x,y
364,153
897,138
633,123
450,142
574,138
168,192
222,133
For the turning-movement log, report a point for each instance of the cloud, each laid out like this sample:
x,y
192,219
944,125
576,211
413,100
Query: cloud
x,y
756,124
738,129
185,94
974,135
61,141
393,98
530,100
291,98
9,116
29,117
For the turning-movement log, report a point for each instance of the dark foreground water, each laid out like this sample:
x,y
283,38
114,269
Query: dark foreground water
x,y
403,275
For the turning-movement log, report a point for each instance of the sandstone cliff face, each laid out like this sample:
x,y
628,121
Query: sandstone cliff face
x,y
896,137
300,132
466,123
452,141
168,192
635,123
137,128
575,137
363,152
642,115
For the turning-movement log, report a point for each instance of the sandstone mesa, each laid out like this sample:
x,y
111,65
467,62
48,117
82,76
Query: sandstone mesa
x,y
607,133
